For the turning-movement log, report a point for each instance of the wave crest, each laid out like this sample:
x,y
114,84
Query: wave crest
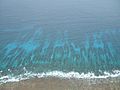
x,y
59,74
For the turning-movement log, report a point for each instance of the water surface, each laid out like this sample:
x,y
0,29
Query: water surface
x,y
64,35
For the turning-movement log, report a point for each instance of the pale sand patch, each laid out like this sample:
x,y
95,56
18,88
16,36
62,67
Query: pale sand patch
x,y
52,83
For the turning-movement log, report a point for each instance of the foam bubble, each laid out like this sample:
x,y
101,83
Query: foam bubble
x,y
58,74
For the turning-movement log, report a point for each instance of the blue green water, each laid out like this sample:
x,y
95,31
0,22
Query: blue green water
x,y
63,35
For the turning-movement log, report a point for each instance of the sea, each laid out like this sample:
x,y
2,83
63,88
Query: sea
x,y
59,38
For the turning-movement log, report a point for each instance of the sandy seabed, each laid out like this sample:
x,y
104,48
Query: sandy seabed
x,y
53,83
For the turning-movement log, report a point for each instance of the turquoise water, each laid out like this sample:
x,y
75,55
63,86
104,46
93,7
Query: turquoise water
x,y
63,35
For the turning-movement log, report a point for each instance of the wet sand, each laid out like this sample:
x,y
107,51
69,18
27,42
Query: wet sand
x,y
52,83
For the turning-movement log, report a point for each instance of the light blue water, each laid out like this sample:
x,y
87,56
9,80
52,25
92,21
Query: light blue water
x,y
62,35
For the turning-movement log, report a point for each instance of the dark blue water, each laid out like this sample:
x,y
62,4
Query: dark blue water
x,y
62,35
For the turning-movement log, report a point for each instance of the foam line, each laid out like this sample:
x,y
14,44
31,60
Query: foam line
x,y
59,74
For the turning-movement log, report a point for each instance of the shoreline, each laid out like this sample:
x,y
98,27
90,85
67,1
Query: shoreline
x,y
55,83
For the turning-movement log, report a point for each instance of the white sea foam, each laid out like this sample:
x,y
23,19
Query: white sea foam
x,y
59,74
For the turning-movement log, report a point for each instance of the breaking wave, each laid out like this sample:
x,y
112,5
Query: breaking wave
x,y
58,74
